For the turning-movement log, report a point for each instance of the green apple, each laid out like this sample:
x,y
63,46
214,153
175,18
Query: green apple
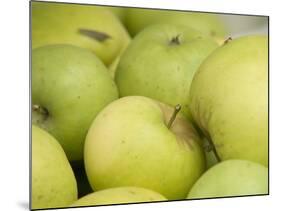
x,y
229,99
160,63
231,178
209,24
136,141
117,11
119,195
70,85
86,26
53,182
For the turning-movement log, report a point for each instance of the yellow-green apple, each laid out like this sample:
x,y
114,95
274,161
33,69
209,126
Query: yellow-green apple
x,y
231,178
160,63
209,24
53,182
136,141
229,99
119,195
70,85
86,26
117,11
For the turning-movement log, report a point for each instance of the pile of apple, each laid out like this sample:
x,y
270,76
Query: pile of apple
x,y
133,105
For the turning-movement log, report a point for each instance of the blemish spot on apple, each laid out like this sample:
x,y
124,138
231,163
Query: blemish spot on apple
x,y
96,35
132,192
213,33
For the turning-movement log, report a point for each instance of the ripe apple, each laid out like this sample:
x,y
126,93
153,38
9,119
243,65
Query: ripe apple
x,y
117,11
231,178
53,182
119,195
136,141
209,24
70,85
86,26
160,63
229,99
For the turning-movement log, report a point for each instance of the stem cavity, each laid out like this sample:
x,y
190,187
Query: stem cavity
x,y
43,112
175,40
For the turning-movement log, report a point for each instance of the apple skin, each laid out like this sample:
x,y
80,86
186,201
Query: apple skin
x,y
140,150
73,85
209,24
53,182
55,23
154,66
231,178
119,195
229,99
117,11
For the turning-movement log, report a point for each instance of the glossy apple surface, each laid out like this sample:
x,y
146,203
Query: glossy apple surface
x,y
85,26
70,85
130,144
160,63
229,99
53,182
119,195
209,24
231,178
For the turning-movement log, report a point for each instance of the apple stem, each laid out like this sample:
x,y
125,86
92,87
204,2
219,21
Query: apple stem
x,y
173,117
227,40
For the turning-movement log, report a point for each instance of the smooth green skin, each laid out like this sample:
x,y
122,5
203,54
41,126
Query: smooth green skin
x,y
129,144
229,99
73,85
54,23
118,11
209,24
231,178
119,195
153,67
53,182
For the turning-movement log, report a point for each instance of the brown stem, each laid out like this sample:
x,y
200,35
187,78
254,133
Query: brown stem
x,y
227,40
174,115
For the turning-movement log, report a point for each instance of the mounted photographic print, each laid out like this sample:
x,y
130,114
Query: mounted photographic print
x,y
137,105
